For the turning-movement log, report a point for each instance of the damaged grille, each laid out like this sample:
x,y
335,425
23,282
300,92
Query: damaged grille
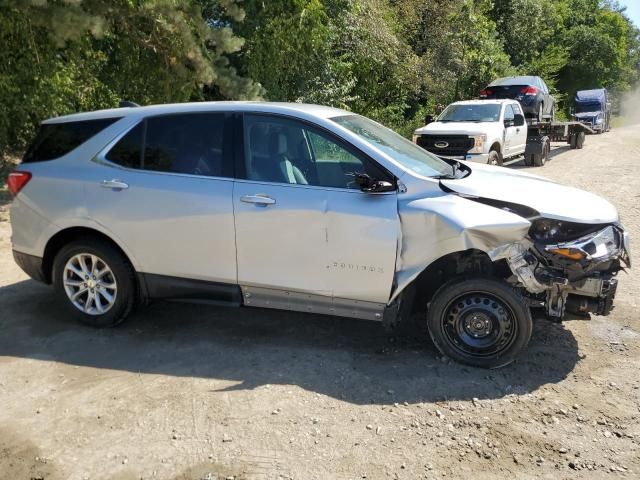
x,y
448,145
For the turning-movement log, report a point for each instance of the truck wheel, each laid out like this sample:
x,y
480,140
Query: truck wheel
x,y
494,158
572,140
529,160
479,321
95,281
580,137
540,159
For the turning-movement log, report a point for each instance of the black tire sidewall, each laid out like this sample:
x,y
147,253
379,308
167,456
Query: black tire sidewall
x,y
497,156
121,269
495,287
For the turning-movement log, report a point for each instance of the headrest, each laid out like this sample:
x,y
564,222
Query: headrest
x,y
278,144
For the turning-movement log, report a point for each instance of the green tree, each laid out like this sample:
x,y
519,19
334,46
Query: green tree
x,y
60,57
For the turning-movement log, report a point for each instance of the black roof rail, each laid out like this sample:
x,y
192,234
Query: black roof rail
x,y
126,103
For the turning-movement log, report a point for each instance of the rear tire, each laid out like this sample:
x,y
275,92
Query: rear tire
x,y
540,159
540,115
479,321
572,140
580,137
95,281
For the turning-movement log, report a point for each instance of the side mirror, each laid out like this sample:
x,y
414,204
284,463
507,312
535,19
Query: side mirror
x,y
428,119
371,185
518,120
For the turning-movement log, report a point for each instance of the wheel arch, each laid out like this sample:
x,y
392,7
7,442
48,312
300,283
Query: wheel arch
x,y
67,235
472,261
497,146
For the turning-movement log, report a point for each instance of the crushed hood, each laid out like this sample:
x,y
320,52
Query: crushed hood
x,y
550,199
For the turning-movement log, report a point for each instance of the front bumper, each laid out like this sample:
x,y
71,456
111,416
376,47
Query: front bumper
x,y
561,284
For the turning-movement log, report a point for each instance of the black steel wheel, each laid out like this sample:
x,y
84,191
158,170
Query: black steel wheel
x,y
482,322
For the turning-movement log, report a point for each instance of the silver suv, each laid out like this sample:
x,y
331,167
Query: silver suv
x,y
305,208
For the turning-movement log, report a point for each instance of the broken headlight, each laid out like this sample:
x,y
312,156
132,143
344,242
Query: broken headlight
x,y
545,230
599,246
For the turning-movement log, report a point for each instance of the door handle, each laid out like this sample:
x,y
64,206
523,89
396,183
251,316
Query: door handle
x,y
258,200
115,184
517,130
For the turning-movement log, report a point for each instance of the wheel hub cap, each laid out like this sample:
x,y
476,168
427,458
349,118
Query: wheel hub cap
x,y
477,325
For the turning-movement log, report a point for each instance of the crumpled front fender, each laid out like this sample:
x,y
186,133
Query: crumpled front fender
x,y
438,225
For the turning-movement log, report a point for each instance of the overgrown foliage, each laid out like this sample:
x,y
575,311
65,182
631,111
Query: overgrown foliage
x,y
393,60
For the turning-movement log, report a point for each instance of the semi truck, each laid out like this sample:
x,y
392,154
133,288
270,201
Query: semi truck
x,y
593,108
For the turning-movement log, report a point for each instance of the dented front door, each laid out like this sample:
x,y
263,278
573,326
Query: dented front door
x,y
330,242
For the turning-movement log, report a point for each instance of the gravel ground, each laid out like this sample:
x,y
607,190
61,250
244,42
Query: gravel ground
x,y
197,392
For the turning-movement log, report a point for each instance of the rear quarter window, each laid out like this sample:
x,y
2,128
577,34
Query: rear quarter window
x,y
57,139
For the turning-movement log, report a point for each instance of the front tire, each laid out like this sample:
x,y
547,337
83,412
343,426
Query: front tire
x,y
95,281
481,322
494,158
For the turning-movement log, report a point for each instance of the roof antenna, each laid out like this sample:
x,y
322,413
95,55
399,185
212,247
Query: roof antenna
x,y
126,103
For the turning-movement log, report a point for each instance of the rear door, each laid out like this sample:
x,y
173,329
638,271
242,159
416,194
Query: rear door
x,y
164,189
302,224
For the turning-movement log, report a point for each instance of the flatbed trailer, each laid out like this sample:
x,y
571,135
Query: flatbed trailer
x,y
541,134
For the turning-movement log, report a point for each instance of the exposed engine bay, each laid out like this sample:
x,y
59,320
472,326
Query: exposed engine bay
x,y
568,267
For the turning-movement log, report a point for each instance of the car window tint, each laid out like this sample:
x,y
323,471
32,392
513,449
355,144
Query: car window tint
x,y
57,139
128,151
281,150
186,143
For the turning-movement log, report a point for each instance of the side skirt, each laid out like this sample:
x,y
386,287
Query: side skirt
x,y
162,287
305,302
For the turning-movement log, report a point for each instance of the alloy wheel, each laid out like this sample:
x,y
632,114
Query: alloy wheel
x,y
90,284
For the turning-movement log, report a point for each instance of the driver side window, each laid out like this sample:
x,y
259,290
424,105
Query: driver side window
x,y
508,113
282,150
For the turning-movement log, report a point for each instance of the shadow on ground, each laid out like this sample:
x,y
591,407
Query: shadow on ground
x,y
346,359
557,149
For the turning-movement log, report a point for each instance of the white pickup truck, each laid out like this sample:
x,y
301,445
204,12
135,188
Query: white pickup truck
x,y
485,131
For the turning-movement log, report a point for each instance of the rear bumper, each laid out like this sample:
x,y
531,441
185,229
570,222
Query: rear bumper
x,y
31,265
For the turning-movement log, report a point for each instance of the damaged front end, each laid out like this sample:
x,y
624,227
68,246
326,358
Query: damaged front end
x,y
568,267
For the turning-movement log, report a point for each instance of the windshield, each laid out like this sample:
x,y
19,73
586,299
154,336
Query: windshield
x,y
471,113
408,154
588,107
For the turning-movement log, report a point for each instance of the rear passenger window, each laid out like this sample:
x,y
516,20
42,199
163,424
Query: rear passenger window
x,y
128,151
184,143
57,139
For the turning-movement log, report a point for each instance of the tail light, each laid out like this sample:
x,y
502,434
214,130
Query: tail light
x,y
485,93
17,181
529,90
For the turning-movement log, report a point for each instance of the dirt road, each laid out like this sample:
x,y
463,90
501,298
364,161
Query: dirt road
x,y
198,392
